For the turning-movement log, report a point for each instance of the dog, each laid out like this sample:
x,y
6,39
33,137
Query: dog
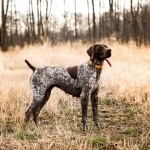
x,y
79,81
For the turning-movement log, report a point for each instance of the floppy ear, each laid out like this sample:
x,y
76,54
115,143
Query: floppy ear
x,y
91,52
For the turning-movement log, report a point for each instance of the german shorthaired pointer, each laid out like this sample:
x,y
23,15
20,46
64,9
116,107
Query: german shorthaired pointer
x,y
79,81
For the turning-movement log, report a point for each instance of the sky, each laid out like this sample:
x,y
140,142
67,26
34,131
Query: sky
x,y
22,7
81,5
58,6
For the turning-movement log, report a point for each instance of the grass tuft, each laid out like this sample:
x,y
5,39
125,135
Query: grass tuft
x,y
98,141
27,136
130,131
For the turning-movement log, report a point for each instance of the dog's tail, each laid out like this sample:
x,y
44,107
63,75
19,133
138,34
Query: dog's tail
x,y
32,67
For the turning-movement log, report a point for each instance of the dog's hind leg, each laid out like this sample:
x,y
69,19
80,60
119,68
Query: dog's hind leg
x,y
34,105
40,106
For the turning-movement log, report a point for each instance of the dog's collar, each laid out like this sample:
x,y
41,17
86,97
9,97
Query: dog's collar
x,y
97,65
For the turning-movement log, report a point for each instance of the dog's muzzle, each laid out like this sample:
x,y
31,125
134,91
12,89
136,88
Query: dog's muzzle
x,y
108,53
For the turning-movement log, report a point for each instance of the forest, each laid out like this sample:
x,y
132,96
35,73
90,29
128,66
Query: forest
x,y
38,25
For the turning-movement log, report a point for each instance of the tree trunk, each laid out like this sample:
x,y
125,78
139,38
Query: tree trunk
x,y
11,26
41,24
94,23
33,24
89,29
117,21
3,31
144,22
47,17
38,20
75,20
124,24
30,23
135,23
111,15
100,20
65,22
16,25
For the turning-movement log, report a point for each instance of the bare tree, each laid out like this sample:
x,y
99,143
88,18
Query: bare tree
x,y
145,24
33,23
94,23
75,20
16,24
30,22
117,20
65,22
47,17
41,22
135,23
124,23
38,20
89,29
11,25
111,15
3,31
100,19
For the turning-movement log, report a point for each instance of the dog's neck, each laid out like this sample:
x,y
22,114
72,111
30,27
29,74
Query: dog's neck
x,y
97,64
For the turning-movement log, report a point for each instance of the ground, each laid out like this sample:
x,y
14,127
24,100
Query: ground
x,y
124,101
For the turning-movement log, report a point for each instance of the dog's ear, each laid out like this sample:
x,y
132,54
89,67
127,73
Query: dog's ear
x,y
91,52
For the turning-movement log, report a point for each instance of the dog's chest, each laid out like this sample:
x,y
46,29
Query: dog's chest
x,y
88,74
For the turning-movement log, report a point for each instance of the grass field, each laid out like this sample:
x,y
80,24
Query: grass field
x,y
124,101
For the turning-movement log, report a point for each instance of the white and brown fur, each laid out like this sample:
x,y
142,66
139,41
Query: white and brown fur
x,y
79,81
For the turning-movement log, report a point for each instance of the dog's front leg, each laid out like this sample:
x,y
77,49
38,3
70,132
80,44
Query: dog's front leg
x,y
94,102
84,105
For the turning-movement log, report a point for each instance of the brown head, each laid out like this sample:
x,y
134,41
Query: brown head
x,y
99,52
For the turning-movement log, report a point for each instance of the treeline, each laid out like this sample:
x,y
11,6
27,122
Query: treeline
x,y
35,27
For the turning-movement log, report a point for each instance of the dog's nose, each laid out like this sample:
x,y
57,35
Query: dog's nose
x,y
109,50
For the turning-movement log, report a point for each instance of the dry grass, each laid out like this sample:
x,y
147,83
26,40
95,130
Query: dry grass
x,y
123,106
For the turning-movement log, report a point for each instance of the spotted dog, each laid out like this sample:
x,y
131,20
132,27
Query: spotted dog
x,y
79,81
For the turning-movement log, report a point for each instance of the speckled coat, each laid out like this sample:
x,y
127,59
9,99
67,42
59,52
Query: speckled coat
x,y
44,78
79,81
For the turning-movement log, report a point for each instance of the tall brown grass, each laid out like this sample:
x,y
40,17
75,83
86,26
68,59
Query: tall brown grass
x,y
126,81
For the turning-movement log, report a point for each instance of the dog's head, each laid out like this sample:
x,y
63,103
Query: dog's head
x,y
99,51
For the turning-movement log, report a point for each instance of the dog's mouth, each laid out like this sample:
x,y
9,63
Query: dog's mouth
x,y
108,62
108,55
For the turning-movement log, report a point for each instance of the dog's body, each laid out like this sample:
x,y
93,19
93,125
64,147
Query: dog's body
x,y
79,81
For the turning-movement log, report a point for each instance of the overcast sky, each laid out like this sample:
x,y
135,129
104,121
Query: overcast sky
x,y
58,5
22,6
